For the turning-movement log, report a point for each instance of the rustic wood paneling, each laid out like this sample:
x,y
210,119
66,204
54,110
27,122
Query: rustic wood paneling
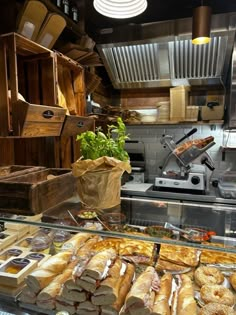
x,y
143,98
7,151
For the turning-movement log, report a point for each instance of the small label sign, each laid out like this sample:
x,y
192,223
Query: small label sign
x,y
48,114
80,124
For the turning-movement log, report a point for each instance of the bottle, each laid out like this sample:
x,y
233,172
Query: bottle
x,y
75,13
66,7
58,3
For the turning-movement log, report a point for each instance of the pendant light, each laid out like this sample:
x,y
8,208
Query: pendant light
x,y
201,26
120,9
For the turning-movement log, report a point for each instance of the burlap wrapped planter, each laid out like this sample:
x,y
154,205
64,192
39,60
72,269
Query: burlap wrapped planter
x,y
99,181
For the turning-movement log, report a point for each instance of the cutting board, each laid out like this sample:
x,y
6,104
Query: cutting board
x,y
142,187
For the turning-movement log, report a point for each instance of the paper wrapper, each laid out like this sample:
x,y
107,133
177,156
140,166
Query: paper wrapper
x,y
99,181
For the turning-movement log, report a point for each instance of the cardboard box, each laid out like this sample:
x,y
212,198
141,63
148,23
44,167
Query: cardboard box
x,y
178,102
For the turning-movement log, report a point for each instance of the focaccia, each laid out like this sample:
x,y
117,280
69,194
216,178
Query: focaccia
x,y
185,256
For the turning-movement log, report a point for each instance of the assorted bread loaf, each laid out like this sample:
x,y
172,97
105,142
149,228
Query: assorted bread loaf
x,y
95,276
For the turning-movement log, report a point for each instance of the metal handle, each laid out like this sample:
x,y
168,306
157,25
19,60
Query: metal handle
x,y
191,132
172,227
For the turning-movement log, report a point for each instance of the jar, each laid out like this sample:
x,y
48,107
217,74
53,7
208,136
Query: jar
x,y
41,242
59,238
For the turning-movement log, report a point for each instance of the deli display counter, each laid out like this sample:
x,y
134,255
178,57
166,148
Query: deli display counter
x,y
82,261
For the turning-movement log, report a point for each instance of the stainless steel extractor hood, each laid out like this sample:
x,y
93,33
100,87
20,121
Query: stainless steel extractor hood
x,y
161,54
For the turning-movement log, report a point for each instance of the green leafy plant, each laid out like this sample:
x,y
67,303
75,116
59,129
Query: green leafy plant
x,y
97,144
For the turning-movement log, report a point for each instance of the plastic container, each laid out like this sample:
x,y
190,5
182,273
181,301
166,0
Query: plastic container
x,y
227,185
41,242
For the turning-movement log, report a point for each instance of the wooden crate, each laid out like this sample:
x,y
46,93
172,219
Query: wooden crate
x,y
17,170
38,121
70,86
35,192
36,75
75,125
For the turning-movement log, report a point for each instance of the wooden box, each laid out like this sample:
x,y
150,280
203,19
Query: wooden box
x,y
14,280
7,238
35,192
32,75
38,120
16,170
75,125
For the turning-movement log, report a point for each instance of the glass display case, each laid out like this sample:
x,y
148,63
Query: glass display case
x,y
146,233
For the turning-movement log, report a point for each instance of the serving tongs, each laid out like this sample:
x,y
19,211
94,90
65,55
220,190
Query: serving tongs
x,y
189,232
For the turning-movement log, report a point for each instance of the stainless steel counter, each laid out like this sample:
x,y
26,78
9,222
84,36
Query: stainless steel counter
x,y
211,197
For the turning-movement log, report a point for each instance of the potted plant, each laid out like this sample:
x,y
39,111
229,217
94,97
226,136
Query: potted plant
x,y
102,163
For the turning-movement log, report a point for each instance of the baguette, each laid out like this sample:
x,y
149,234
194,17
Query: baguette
x,y
73,295
46,298
107,292
125,283
183,299
140,298
161,301
76,242
39,279
27,296
57,263
98,266
65,305
87,307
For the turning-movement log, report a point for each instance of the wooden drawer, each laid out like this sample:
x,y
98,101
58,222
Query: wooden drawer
x,y
75,125
38,120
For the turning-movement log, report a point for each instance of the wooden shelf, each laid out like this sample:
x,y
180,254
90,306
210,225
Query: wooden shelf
x,y
211,122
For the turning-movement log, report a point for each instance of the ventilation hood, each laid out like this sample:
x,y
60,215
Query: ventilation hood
x,y
161,54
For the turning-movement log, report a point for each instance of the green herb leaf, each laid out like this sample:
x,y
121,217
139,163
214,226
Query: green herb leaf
x,y
97,144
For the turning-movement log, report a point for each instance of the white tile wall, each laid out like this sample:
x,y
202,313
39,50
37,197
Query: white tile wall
x,y
155,153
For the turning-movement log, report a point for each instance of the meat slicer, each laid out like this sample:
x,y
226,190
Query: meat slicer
x,y
188,172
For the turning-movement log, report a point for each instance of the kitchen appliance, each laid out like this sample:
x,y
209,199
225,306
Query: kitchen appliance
x,y
136,151
189,171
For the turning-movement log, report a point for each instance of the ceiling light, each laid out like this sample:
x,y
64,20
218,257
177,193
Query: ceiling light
x,y
201,25
120,9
